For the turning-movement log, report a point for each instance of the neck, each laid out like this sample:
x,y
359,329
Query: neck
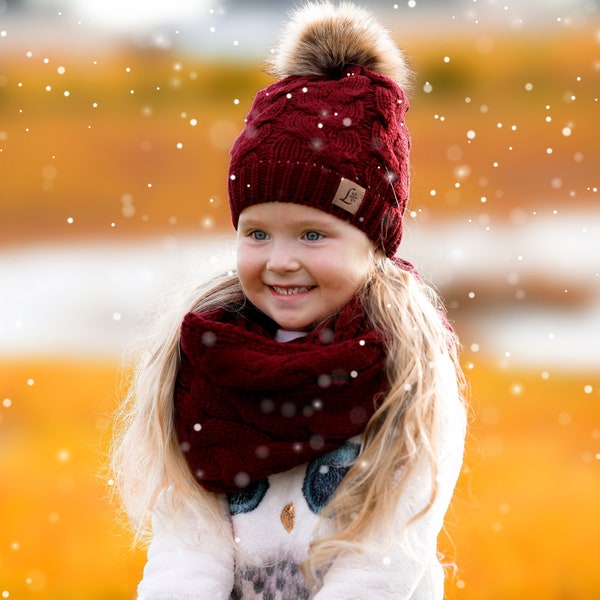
x,y
286,335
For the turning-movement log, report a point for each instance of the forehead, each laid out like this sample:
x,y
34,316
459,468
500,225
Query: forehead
x,y
290,214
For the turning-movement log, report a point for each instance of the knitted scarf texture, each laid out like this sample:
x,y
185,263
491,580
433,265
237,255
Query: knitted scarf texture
x,y
247,406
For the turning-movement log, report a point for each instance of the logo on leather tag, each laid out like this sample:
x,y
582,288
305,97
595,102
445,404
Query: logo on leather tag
x,y
349,196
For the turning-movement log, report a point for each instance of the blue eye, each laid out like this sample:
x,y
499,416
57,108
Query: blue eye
x,y
258,235
313,236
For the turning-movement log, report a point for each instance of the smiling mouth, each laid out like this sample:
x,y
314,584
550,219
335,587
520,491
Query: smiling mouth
x,y
289,291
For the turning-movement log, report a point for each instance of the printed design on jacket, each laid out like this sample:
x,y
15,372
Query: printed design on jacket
x,y
281,581
282,578
323,476
248,498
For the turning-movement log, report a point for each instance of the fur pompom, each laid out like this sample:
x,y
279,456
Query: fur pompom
x,y
323,39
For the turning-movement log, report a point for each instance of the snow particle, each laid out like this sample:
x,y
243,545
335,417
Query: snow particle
x,y
7,402
288,409
241,479
63,455
427,88
471,134
324,380
588,389
564,419
209,338
262,452
516,389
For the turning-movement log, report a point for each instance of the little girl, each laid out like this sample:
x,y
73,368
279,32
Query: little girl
x,y
298,430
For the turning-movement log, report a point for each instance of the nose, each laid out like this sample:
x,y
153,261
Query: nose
x,y
282,257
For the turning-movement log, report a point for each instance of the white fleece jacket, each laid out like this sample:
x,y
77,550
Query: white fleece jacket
x,y
273,522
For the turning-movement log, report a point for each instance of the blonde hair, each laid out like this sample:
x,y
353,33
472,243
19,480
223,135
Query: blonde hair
x,y
146,456
402,432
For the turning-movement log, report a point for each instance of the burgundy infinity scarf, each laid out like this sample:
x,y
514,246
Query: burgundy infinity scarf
x,y
247,406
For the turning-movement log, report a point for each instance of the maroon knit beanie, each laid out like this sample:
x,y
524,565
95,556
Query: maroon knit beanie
x,y
330,133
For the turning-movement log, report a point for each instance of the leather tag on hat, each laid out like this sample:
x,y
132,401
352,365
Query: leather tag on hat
x,y
349,196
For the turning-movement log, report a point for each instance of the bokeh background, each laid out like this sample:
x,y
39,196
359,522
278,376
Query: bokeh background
x,y
115,123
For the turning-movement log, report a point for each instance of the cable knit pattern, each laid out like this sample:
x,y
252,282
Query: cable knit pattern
x,y
248,406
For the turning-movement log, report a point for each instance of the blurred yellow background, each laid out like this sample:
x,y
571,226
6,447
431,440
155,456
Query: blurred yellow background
x,y
115,125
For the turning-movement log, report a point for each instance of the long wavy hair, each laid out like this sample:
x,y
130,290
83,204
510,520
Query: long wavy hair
x,y
146,458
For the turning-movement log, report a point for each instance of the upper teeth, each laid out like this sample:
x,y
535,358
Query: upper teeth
x,y
295,290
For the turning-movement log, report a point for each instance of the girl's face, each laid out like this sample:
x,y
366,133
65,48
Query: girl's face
x,y
299,265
